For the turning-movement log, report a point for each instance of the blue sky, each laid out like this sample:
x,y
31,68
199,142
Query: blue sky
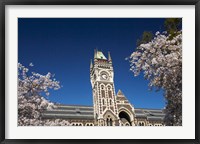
x,y
64,47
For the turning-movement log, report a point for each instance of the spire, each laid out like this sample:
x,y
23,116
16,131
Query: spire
x,y
91,65
109,57
95,53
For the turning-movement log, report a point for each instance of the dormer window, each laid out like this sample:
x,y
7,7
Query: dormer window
x,y
78,111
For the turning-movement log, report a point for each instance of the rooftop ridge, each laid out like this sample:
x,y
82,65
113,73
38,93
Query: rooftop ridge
x,y
148,109
70,105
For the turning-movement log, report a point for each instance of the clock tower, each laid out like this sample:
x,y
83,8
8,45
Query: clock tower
x,y
104,99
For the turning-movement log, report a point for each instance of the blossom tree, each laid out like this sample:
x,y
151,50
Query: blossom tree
x,y
161,62
30,102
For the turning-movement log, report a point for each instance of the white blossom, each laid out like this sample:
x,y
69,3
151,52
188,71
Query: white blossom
x,y
31,64
161,62
31,104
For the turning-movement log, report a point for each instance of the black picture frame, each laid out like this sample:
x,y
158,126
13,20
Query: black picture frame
x,y
3,4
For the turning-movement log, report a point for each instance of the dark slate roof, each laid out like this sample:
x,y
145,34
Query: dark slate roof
x,y
70,112
86,112
150,114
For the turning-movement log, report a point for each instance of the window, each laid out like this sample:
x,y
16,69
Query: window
x,y
88,124
127,124
110,94
109,122
103,101
141,123
77,124
103,93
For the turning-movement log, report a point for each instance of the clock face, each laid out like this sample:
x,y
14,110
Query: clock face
x,y
104,76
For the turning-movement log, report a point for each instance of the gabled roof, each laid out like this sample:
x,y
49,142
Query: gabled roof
x,y
120,93
121,96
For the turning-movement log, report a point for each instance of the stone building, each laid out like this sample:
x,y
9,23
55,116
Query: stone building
x,y
109,108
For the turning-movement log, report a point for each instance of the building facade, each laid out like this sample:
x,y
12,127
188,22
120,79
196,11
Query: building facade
x,y
109,108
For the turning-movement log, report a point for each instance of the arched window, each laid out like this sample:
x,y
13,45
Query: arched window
x,y
141,123
89,124
110,102
109,122
103,93
103,101
109,92
127,124
125,118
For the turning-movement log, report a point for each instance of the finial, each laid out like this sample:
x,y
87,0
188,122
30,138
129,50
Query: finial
x,y
95,53
119,92
109,57
91,65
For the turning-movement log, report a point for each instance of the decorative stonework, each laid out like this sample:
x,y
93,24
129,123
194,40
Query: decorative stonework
x,y
121,112
109,109
106,101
